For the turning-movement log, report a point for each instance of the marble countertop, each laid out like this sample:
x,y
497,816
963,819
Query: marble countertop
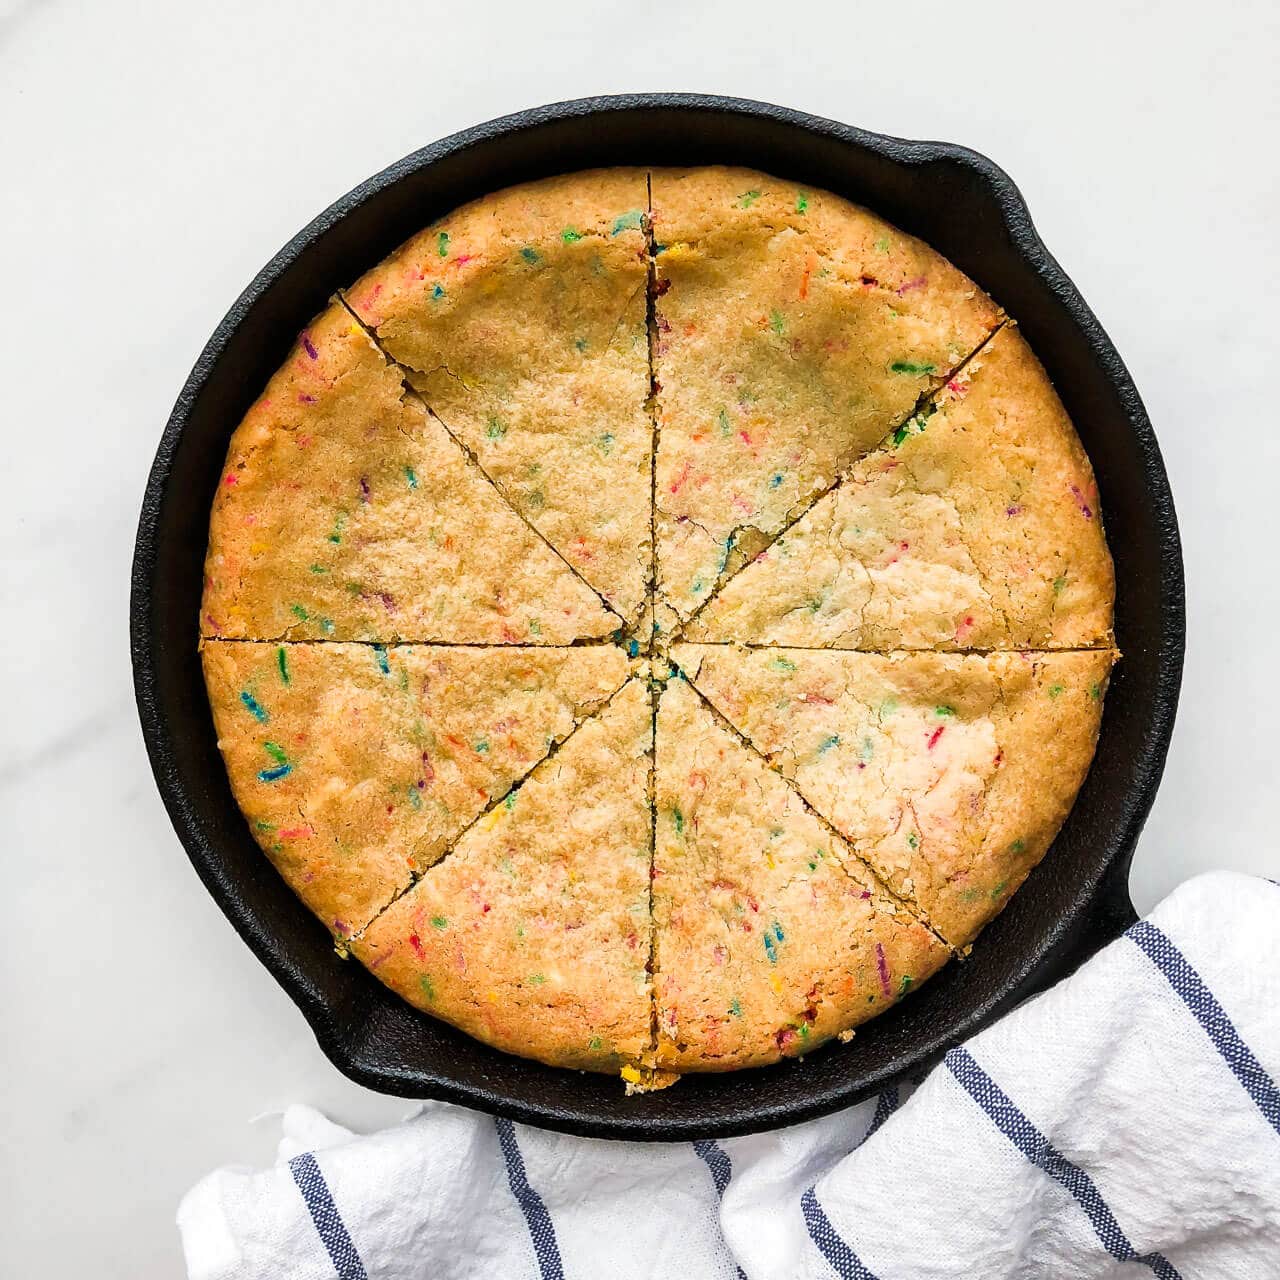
x,y
156,154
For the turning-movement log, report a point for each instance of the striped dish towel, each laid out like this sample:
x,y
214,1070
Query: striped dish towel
x,y
1125,1122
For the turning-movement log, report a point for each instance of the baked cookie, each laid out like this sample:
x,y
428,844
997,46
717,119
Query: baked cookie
x,y
533,934
795,332
654,619
346,512
357,765
948,773
521,319
975,526
771,935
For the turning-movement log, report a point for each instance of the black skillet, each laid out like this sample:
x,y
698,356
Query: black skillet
x,y
954,199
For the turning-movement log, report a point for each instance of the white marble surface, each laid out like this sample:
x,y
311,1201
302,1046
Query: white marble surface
x,y
155,154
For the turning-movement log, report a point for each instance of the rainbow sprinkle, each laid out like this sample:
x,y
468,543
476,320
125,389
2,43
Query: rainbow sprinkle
x,y
882,968
254,707
772,937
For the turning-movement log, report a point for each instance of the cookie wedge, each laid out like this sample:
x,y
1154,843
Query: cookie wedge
x,y
357,765
794,331
533,934
771,935
522,321
949,774
345,512
975,526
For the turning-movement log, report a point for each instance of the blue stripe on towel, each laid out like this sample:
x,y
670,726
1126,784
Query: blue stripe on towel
x,y
716,1158
844,1262
1037,1148
328,1221
886,1105
1206,1010
542,1230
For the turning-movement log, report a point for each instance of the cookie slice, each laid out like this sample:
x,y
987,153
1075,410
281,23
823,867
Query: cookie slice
x,y
522,319
771,936
976,527
345,512
949,774
533,934
356,765
795,331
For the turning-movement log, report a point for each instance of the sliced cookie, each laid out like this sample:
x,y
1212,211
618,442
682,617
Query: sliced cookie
x,y
771,936
976,526
357,765
950,774
346,512
795,331
533,934
522,321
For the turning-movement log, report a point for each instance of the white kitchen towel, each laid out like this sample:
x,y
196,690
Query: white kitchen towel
x,y
1125,1122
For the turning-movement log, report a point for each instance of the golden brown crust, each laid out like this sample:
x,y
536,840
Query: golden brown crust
x,y
533,934
357,766
950,774
975,527
772,936
795,331
346,512
522,319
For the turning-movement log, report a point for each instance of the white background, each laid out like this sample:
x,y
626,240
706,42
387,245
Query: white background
x,y
153,155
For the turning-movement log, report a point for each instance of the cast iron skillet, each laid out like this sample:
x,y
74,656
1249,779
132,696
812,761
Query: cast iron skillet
x,y
957,201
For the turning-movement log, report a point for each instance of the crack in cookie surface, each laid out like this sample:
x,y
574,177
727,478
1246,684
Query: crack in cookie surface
x,y
772,935
516,508
504,799
742,557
